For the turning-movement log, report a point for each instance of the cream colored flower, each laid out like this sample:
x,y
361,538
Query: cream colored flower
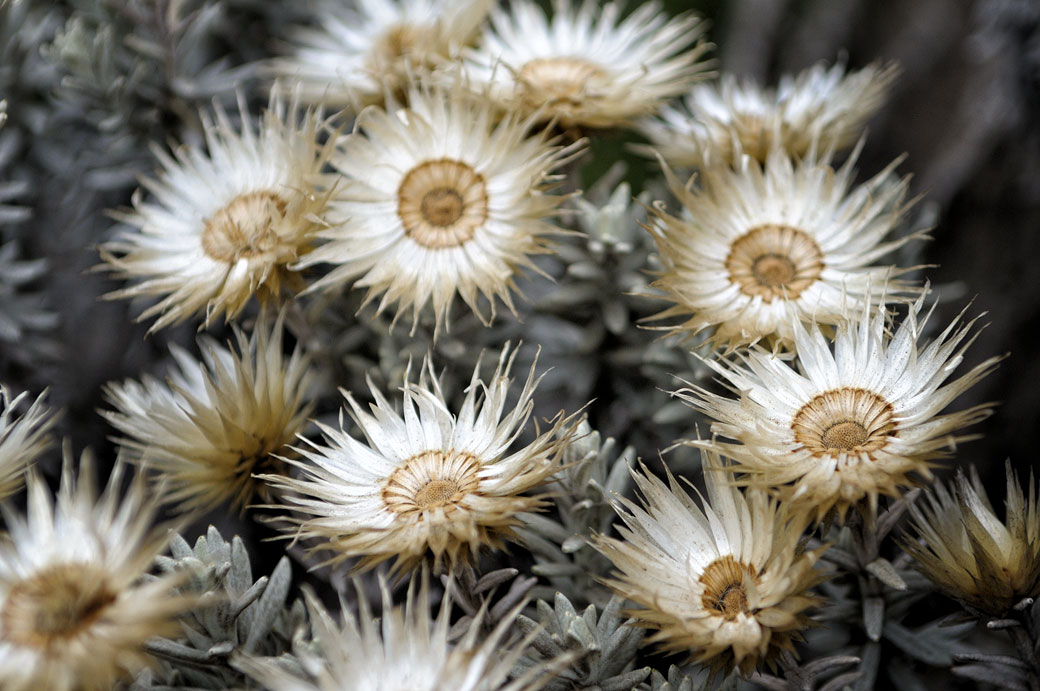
x,y
822,108
586,66
74,611
761,248
357,53
424,480
725,583
215,423
222,225
855,419
437,200
965,549
22,439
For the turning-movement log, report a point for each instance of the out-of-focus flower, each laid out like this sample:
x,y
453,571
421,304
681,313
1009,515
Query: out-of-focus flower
x,y
22,438
426,481
223,225
965,549
726,583
760,248
821,107
215,423
438,199
586,66
851,422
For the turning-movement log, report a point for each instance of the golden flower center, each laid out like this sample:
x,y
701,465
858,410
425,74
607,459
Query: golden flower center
x,y
847,420
432,480
56,603
559,82
397,43
442,203
774,261
725,589
245,227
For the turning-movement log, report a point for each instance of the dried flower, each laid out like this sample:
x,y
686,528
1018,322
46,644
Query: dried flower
x,y
22,439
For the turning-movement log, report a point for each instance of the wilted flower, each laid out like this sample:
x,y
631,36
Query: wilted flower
x,y
965,549
725,583
22,439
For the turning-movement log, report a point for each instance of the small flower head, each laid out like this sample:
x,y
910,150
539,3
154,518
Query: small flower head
x,y
724,582
22,439
74,612
854,420
215,423
761,248
821,108
223,225
586,66
963,547
424,480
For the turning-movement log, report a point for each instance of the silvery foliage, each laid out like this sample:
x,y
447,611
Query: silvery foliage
x,y
1015,673
480,596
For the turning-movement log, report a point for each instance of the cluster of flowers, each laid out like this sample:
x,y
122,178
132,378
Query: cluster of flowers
x,y
465,118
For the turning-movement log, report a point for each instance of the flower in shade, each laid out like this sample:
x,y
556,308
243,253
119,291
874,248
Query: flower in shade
x,y
22,439
440,199
216,422
586,66
75,613
821,107
424,480
963,547
761,248
725,582
222,225
359,52
855,419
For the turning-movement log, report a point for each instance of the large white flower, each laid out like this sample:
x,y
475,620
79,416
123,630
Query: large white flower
x,y
758,248
223,224
854,419
22,439
424,480
74,611
439,199
726,583
586,65
820,107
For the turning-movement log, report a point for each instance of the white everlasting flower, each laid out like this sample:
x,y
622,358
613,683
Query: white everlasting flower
x,y
222,225
74,612
586,66
725,583
854,419
424,480
821,107
760,248
358,52
22,438
438,199
216,422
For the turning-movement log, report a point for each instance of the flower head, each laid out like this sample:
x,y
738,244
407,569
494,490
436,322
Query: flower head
x,y
215,423
424,480
223,225
821,107
437,200
586,66
725,582
74,612
22,439
761,248
851,422
965,549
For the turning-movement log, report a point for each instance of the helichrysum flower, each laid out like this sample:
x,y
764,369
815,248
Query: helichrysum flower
x,y
216,422
760,248
355,55
222,225
725,583
854,420
424,480
821,108
439,199
586,66
965,549
22,438
74,612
